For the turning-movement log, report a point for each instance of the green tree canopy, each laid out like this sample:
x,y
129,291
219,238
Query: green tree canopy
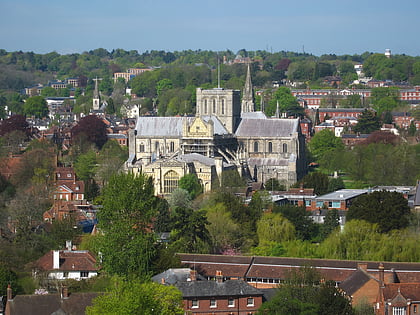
x,y
191,183
127,245
323,143
135,297
388,209
36,106
273,227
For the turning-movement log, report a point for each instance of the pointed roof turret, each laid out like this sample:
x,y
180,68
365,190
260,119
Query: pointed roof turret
x,y
248,94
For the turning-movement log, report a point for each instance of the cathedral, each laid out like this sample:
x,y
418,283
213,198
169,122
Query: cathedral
x,y
225,134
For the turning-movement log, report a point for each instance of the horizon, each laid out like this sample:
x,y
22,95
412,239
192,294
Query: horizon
x,y
326,27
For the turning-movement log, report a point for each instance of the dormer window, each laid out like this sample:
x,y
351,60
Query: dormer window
x,y
69,175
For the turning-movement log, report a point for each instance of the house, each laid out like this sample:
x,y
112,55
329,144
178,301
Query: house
x,y
339,200
67,187
217,295
63,303
65,264
398,299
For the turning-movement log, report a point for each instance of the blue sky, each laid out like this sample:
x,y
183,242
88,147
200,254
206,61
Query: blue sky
x,y
317,27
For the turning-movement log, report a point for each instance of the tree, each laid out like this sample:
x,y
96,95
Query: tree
x,y
127,245
93,128
287,102
273,227
223,231
273,184
191,183
135,297
331,222
190,232
303,293
318,181
85,166
367,122
323,143
14,123
36,106
389,210
305,228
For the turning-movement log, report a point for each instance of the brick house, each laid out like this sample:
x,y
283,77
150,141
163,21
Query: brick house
x,y
222,297
398,299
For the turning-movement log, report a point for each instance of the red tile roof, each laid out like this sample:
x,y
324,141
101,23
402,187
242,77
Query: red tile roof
x,y
69,260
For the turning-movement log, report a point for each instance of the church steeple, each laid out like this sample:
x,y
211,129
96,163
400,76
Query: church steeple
x,y
96,96
248,94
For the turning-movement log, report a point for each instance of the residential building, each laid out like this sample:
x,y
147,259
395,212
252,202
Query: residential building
x,y
65,264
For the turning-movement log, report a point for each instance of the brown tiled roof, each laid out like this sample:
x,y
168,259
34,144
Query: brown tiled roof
x,y
273,267
407,290
75,304
69,260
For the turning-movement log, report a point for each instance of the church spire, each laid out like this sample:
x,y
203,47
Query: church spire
x,y
96,96
248,94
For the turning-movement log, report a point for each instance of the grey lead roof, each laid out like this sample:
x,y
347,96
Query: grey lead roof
x,y
172,126
219,129
267,127
161,126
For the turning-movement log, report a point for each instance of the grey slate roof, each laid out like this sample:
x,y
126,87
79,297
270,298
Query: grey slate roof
x,y
219,129
50,304
195,157
267,127
161,126
253,115
268,162
213,288
175,275
354,282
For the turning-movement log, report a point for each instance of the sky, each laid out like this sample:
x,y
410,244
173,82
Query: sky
x,y
312,26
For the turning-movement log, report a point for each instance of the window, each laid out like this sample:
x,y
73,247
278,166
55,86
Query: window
x,y
205,106
256,146
213,303
84,274
172,147
194,304
69,175
231,303
156,145
223,106
141,147
284,147
65,274
170,182
250,302
270,147
214,106
399,310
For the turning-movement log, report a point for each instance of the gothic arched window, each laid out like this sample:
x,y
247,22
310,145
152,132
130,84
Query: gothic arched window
x,y
270,147
284,147
170,182
223,106
214,106
256,146
205,106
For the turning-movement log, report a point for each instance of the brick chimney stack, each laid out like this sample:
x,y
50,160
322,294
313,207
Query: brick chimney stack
x,y
193,275
9,293
64,292
219,276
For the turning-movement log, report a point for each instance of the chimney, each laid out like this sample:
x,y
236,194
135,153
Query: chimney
x,y
193,275
381,274
219,276
362,266
64,292
9,293
68,245
56,259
